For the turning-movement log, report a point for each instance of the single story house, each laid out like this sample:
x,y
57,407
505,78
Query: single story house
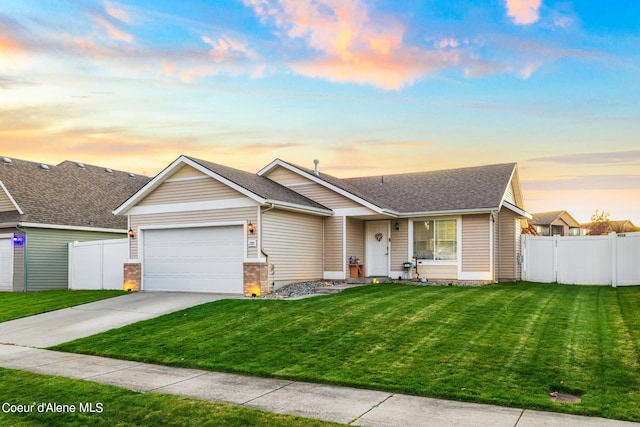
x,y
204,227
556,223
44,207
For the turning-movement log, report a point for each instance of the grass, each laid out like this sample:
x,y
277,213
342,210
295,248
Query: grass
x,y
14,305
121,407
503,344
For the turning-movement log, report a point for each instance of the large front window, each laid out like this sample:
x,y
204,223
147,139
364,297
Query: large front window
x,y
435,239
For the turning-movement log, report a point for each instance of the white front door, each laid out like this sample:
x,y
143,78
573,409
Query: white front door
x,y
377,256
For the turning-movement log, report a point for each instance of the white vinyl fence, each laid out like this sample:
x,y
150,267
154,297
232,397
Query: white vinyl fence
x,y
97,264
589,260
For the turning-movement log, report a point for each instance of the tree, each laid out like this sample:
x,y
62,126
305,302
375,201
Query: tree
x,y
599,224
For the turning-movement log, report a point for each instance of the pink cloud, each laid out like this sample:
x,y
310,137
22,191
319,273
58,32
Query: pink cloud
x,y
351,44
523,12
118,12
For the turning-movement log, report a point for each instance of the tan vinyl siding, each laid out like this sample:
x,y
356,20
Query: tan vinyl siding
x,y
286,177
197,190
194,217
334,259
438,272
475,243
399,244
293,245
186,172
507,253
48,255
5,202
355,239
510,195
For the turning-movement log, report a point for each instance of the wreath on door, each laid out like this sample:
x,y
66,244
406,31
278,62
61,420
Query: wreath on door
x,y
379,236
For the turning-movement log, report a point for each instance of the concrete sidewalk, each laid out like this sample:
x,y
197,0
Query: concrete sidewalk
x,y
341,404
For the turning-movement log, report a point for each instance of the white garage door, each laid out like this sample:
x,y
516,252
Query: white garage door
x,y
203,259
6,264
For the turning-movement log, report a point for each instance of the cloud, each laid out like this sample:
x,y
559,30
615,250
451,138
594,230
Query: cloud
x,y
410,144
118,12
612,157
523,12
349,43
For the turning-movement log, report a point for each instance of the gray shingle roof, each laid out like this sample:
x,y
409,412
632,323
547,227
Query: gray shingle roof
x,y
259,185
546,218
480,187
67,194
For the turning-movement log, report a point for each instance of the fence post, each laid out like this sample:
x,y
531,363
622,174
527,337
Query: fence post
x,y
613,250
554,263
523,255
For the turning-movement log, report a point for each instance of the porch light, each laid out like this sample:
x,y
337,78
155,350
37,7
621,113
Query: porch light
x,y
251,227
397,225
132,233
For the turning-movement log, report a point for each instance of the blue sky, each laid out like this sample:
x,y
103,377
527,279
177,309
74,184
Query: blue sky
x,y
367,87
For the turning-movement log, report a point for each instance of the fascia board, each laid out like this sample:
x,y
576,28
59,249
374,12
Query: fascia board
x,y
299,208
11,199
71,227
517,210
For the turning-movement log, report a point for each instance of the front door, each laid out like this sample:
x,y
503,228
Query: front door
x,y
377,257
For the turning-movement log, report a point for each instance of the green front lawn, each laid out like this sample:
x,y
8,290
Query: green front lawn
x,y
114,406
503,344
14,305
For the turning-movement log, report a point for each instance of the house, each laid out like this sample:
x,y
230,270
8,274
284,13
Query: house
x,y
609,226
44,207
555,223
204,227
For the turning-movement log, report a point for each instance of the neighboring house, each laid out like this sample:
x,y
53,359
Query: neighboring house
x,y
205,227
612,226
556,223
44,207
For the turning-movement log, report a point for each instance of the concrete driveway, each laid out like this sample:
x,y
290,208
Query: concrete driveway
x,y
53,328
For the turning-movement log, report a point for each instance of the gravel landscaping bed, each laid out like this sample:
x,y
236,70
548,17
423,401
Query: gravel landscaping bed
x,y
300,289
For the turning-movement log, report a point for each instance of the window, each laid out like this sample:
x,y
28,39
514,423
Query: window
x,y
435,239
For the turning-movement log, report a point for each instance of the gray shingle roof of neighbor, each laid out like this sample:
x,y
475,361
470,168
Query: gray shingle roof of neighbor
x,y
67,194
546,218
259,185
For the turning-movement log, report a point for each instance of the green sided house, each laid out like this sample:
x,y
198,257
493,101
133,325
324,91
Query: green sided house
x,y
204,227
44,207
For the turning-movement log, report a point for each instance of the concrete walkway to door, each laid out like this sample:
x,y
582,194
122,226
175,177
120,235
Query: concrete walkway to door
x,y
56,327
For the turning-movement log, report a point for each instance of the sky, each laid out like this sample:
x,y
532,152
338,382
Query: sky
x,y
368,87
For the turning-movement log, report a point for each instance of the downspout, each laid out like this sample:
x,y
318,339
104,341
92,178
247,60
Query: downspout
x,y
25,261
266,255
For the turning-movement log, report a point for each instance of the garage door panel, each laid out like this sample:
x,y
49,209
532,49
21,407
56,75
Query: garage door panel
x,y
207,259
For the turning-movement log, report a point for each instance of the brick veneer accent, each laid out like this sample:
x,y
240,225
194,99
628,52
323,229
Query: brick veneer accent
x,y
256,278
132,276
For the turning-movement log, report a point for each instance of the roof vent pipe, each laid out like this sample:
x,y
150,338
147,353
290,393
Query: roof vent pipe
x,y
315,170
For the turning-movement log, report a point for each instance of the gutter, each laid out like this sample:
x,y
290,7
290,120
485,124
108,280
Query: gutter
x,y
298,208
25,256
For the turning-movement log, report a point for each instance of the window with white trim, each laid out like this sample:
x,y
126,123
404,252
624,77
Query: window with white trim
x,y
436,239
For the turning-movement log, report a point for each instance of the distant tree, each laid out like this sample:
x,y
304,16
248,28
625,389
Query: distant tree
x,y
530,228
599,224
